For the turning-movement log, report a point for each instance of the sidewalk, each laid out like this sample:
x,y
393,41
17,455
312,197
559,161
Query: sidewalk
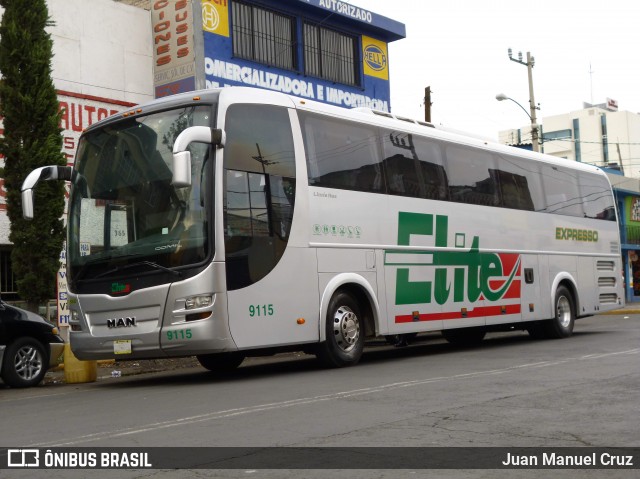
x,y
630,308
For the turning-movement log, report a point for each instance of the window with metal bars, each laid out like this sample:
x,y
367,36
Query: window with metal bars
x,y
263,36
331,55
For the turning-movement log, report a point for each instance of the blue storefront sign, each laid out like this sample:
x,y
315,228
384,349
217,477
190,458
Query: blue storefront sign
x,y
323,50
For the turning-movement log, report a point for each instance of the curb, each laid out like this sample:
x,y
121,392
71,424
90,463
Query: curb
x,y
621,312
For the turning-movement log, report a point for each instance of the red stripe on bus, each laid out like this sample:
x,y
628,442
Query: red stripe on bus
x,y
474,313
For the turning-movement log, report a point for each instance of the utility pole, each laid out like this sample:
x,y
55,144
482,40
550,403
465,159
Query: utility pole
x,y
427,104
535,140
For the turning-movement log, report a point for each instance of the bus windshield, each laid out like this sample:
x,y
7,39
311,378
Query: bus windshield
x,y
124,212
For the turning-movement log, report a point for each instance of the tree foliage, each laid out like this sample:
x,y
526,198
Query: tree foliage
x,y
32,138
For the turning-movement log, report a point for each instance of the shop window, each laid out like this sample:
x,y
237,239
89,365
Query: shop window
x,y
331,55
263,36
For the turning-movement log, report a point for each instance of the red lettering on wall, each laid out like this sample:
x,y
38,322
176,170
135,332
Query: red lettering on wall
x,y
68,143
76,117
165,25
162,37
162,26
102,113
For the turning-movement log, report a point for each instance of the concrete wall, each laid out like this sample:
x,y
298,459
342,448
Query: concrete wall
x,y
103,62
102,48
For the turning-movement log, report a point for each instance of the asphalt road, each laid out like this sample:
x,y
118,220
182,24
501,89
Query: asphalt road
x,y
509,392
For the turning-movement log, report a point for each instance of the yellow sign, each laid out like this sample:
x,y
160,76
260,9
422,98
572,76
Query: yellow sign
x,y
215,17
375,58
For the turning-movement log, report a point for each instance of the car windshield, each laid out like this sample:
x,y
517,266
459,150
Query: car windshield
x,y
124,211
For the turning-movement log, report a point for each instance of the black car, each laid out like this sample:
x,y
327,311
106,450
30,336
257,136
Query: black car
x,y
29,346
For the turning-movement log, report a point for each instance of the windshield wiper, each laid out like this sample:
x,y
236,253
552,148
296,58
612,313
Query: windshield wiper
x,y
151,264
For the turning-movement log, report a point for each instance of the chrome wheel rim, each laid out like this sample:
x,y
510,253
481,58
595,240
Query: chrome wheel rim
x,y
28,363
346,328
563,312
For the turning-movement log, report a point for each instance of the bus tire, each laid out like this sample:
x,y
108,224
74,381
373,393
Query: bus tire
x,y
464,336
561,326
221,362
345,332
536,331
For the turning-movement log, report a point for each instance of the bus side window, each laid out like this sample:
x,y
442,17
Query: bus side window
x,y
342,154
596,197
413,166
519,184
259,191
561,191
469,176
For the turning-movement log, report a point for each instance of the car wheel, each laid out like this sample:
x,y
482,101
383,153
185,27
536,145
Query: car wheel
x,y
25,363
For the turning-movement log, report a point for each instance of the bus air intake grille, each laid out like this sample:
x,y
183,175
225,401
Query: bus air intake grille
x,y
608,298
605,265
607,282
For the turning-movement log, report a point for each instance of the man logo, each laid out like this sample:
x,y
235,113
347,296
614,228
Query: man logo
x,y
122,322
375,58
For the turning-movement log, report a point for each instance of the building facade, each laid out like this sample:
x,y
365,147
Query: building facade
x,y
603,136
324,50
599,135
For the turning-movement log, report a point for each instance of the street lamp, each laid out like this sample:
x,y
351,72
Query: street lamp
x,y
535,143
502,97
534,126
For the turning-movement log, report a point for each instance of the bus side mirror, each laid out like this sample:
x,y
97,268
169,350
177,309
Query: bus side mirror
x,y
182,156
43,173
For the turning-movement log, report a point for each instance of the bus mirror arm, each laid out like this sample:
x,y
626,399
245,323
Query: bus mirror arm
x,y
182,156
44,173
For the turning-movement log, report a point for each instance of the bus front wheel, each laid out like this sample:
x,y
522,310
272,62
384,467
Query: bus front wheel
x,y
221,362
345,332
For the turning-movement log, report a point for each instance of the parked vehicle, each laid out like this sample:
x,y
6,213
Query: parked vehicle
x,y
29,346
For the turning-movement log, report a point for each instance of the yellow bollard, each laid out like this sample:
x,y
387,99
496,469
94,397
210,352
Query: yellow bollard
x,y
76,371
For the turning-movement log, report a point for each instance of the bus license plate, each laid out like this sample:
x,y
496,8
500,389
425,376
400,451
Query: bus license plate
x,y
122,346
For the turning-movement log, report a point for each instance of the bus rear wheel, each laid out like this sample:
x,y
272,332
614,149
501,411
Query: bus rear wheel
x,y
561,326
221,362
345,332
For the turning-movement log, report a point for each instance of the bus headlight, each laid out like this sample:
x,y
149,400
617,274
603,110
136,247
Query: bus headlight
x,y
202,301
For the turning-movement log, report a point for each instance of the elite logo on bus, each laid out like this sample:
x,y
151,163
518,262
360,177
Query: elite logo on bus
x,y
459,275
375,57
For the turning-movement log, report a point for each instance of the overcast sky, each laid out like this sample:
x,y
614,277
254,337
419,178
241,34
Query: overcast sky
x,y
459,48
